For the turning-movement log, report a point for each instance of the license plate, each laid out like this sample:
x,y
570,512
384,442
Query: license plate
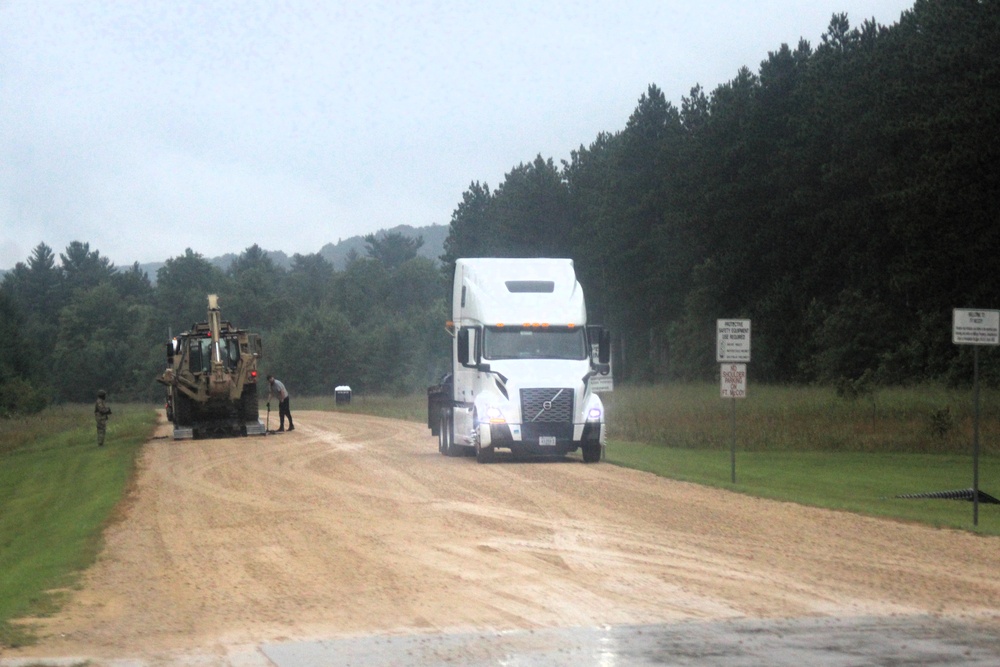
x,y
547,441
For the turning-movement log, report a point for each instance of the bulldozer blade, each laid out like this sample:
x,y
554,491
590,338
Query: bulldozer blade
x,y
255,428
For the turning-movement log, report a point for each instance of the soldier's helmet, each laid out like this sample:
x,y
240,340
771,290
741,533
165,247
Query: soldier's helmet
x,y
101,394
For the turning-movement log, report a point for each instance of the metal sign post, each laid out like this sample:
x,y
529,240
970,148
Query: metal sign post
x,y
732,445
975,327
732,350
734,385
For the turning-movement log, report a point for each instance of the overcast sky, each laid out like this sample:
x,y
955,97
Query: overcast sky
x,y
150,126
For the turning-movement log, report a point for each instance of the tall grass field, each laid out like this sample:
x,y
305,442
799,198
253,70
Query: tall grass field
x,y
927,419
807,445
58,490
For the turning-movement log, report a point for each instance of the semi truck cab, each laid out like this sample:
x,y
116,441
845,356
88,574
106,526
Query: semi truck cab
x,y
522,361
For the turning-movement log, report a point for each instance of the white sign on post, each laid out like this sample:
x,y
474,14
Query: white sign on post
x,y
975,327
734,380
601,384
733,341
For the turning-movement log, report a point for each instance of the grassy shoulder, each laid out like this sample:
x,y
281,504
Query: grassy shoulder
x,y
862,482
807,445
58,491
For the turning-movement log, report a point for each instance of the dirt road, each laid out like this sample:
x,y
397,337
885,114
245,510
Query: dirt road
x,y
353,525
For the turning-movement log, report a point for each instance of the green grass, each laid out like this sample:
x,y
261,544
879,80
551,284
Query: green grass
x,y
57,492
807,445
862,482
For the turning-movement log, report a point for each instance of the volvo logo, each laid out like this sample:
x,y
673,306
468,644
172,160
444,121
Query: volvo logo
x,y
549,408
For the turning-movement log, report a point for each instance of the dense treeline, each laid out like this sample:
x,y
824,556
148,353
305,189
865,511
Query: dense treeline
x,y
78,324
845,198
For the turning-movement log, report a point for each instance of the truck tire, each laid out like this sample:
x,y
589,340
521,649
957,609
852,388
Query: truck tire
x,y
484,454
591,452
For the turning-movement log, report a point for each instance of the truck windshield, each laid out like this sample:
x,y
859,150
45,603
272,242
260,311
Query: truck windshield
x,y
521,343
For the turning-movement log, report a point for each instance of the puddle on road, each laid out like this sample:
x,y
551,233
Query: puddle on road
x,y
831,642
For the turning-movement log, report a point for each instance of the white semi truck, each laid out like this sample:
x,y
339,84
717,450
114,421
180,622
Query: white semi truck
x,y
523,357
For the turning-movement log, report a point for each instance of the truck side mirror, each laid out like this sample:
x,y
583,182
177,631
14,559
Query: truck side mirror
x,y
604,346
600,342
170,352
469,354
462,341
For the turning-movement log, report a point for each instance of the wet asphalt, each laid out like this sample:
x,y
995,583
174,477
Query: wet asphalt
x,y
818,642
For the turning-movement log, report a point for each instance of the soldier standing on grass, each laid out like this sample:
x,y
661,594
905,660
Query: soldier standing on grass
x,y
101,412
278,388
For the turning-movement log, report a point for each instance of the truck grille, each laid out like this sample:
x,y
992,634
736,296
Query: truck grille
x,y
546,406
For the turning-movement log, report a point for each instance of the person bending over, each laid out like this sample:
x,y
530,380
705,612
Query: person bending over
x,y
277,388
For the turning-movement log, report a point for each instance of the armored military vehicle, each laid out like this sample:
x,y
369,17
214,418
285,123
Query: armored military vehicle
x,y
211,379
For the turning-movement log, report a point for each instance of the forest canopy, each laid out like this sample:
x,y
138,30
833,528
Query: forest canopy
x,y
82,324
844,198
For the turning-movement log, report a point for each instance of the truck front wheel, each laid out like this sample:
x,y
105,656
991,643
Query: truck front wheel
x,y
484,454
591,452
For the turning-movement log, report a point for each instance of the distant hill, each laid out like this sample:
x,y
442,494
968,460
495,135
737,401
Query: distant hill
x,y
337,253
433,247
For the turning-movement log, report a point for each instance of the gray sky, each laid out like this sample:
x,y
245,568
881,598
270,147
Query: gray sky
x,y
145,127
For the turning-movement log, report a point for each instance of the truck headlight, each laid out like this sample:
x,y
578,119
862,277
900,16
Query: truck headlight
x,y
494,416
594,414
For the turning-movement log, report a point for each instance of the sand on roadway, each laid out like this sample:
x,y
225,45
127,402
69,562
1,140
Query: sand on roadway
x,y
355,525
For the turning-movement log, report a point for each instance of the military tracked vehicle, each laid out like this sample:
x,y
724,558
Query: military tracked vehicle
x,y
211,379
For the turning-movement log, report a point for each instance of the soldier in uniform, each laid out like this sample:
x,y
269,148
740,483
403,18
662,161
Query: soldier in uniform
x,y
101,412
